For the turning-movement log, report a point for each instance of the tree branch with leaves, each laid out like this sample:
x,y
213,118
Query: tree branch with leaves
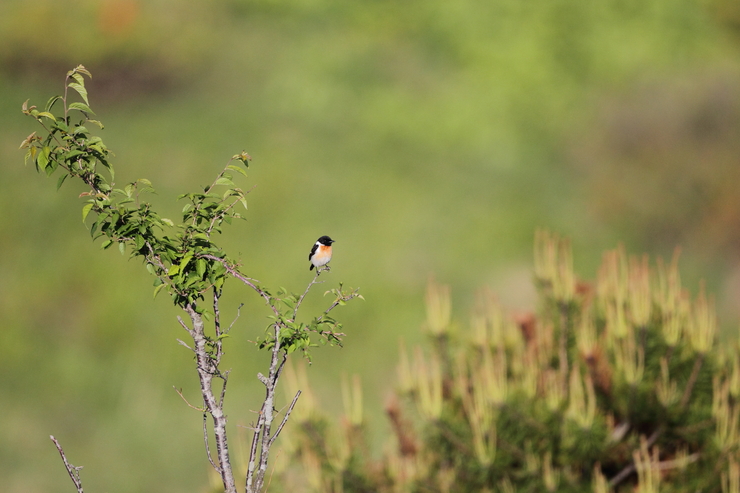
x,y
185,261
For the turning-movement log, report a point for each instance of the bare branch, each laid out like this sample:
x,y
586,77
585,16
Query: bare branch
x,y
238,314
179,392
300,300
217,328
225,377
253,451
208,447
206,370
184,325
182,343
73,471
285,418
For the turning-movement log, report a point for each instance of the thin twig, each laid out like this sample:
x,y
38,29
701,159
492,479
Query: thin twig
x,y
208,447
73,471
253,450
300,300
179,392
238,314
184,325
217,328
182,343
225,377
285,418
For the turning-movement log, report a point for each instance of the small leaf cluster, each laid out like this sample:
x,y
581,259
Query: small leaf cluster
x,y
296,336
183,258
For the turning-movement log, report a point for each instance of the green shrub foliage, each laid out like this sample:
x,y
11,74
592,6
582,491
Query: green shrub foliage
x,y
615,385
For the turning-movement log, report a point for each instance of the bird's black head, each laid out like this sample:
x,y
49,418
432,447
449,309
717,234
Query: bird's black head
x,y
325,240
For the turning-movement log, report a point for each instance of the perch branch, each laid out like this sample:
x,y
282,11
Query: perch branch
x,y
73,471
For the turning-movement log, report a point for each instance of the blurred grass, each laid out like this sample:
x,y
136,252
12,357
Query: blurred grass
x,y
426,137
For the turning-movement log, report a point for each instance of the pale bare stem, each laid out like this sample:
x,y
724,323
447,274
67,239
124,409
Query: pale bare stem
x,y
225,377
253,450
238,314
269,407
300,300
185,326
73,471
208,447
206,370
266,417
285,418
217,325
182,343
179,392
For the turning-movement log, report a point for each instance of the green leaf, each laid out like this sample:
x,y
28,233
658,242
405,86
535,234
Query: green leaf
x,y
200,266
47,115
106,244
86,210
80,89
42,160
73,154
158,289
238,169
225,181
78,106
51,167
185,261
80,80
122,248
60,181
168,222
50,103
82,70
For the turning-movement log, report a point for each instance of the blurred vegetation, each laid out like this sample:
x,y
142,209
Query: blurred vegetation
x,y
618,385
425,137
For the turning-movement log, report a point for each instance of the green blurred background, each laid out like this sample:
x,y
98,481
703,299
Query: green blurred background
x,y
427,137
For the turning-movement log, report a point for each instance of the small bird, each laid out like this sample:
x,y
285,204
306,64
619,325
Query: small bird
x,y
320,253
